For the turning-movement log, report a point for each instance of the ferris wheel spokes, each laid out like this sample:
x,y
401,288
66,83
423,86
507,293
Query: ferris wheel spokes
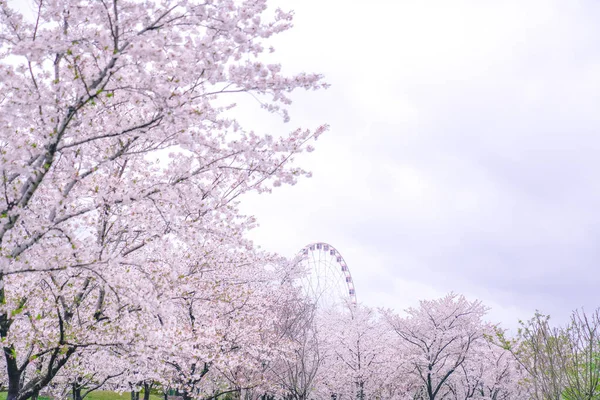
x,y
329,276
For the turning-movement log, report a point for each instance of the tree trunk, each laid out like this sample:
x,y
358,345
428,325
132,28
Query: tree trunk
x,y
13,392
14,375
76,389
147,391
360,395
135,395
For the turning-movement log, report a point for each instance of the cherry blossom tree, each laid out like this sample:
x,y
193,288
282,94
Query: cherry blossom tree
x,y
226,334
358,362
297,372
437,339
504,376
216,330
116,144
91,370
490,372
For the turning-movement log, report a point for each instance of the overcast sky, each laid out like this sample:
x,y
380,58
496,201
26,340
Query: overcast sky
x,y
463,155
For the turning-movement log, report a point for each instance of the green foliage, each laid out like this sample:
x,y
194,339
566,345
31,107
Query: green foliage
x,y
575,373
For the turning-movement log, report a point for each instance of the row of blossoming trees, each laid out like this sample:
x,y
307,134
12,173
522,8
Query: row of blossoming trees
x,y
443,349
123,258
440,350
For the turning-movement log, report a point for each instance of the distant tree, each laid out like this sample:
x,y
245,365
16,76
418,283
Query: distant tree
x,y
490,373
358,363
296,374
582,357
436,340
561,363
540,349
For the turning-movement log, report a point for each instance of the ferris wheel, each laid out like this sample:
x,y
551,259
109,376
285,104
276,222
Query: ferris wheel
x,y
328,281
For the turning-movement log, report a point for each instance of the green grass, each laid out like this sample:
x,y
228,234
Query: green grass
x,y
107,395
100,395
4,394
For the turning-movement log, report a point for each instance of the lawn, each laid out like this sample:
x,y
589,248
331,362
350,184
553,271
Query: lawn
x,y
100,395
107,395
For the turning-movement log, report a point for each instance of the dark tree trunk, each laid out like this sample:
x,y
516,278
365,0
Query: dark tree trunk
x,y
14,375
135,395
16,387
147,388
76,389
13,392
